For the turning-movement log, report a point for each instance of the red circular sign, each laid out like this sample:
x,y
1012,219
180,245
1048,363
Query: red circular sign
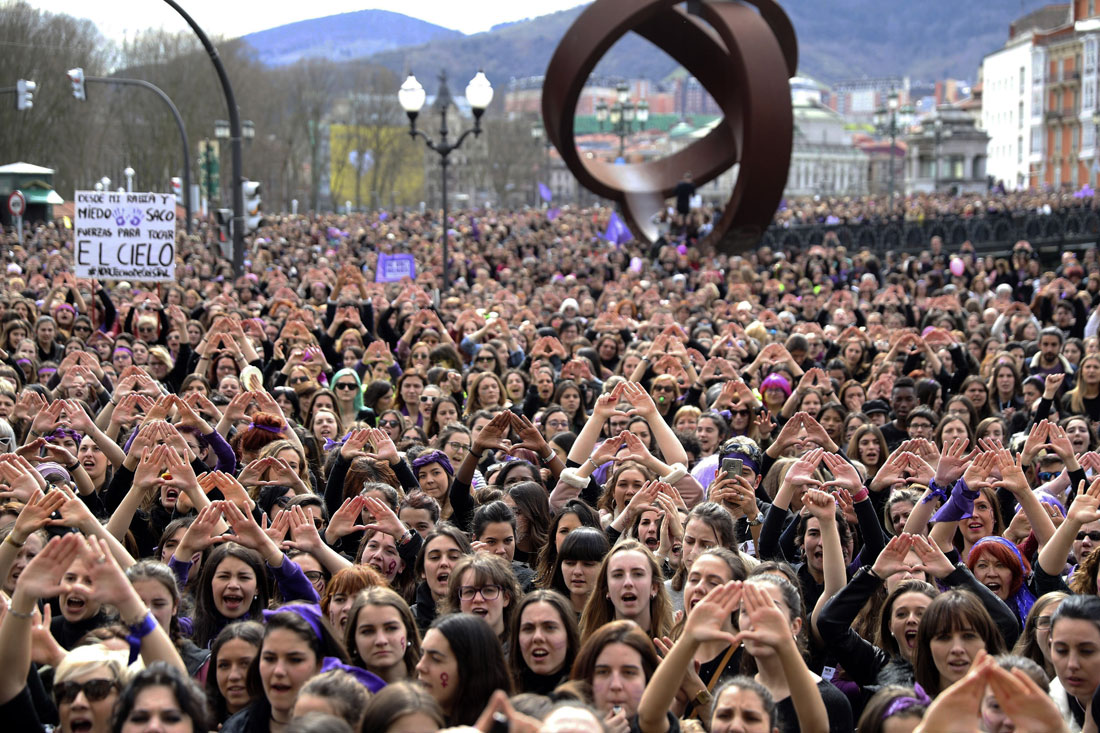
x,y
16,203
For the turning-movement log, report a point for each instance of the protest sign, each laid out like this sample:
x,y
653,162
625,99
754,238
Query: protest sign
x,y
125,236
391,268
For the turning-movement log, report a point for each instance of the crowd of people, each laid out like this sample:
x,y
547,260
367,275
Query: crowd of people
x,y
585,487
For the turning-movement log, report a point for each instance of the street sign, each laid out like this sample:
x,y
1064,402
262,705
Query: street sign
x,y
17,204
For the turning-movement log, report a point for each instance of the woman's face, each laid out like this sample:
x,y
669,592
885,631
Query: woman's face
x,y
981,523
324,425
26,553
488,392
811,404
698,537
491,610
437,670
234,657
630,584
233,587
832,422
1006,382
1075,654
419,520
313,571
391,424
628,484
446,415
618,680
410,392
869,450
739,710
1090,372
686,423
229,386
976,393
1042,628
543,640
1077,431
954,430
570,400
75,604
434,481
953,651
156,710
345,388
513,384
853,352
995,431
381,554
580,576
7,405
83,714
159,600
706,573
286,663
853,426
380,637
420,357
291,458
905,618
440,557
757,649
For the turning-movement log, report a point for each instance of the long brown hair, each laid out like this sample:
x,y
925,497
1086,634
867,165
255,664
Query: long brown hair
x,y
599,609
951,610
381,596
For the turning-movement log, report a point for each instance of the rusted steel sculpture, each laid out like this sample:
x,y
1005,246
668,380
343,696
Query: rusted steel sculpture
x,y
743,53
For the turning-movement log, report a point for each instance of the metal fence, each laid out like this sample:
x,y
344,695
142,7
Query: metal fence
x,y
1073,228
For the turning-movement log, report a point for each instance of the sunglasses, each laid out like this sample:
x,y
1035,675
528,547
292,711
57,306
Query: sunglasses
x,y
487,359
427,398
389,423
81,327
1093,535
345,386
299,380
95,690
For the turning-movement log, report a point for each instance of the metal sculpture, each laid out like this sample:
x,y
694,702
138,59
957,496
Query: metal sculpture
x,y
743,53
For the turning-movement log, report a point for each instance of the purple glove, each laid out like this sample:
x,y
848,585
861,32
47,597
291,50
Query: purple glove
x,y
960,505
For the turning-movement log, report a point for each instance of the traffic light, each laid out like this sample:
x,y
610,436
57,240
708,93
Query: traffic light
x,y
24,94
253,206
224,220
76,76
177,189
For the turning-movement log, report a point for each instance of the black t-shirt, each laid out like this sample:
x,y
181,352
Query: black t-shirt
x,y
836,705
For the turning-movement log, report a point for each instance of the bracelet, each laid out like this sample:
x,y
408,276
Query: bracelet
x,y
28,616
13,543
548,459
477,455
72,469
404,539
142,628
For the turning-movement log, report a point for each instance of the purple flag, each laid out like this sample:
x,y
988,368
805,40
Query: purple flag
x,y
617,231
391,268
474,231
553,213
545,193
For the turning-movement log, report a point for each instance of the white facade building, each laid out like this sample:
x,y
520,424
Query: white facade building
x,y
1007,110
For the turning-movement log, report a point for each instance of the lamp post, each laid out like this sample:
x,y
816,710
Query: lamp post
x,y
479,93
106,183
1095,173
129,173
937,132
622,114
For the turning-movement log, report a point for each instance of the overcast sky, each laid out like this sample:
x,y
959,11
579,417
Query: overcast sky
x,y
239,17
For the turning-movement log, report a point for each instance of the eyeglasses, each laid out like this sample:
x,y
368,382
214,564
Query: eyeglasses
x,y
298,380
345,385
389,423
1094,535
488,592
95,690
81,327
920,426
314,576
458,447
1042,622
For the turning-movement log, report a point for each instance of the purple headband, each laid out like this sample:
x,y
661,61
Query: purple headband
x,y
330,443
268,428
311,614
63,433
123,349
745,459
901,704
64,307
435,456
47,370
21,362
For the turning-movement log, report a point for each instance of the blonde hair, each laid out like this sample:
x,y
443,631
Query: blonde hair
x,y
86,659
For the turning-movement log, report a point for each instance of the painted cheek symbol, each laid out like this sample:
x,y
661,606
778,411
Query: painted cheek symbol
x,y
391,566
444,678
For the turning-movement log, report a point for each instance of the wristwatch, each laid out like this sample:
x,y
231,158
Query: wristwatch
x,y
757,521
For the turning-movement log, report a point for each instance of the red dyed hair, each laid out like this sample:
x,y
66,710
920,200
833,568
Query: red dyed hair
x,y
1006,557
254,438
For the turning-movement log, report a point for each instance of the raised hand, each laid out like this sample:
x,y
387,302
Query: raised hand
x,y
384,519
303,532
844,475
202,533
892,559
345,520
932,559
706,620
1012,474
820,504
42,578
953,462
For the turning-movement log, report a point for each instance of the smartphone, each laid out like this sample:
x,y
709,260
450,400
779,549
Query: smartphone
x,y
732,466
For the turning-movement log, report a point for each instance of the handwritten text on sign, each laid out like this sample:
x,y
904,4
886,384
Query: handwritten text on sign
x,y
125,236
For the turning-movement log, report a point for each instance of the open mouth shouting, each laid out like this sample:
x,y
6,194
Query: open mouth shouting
x,y
81,723
233,604
74,606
